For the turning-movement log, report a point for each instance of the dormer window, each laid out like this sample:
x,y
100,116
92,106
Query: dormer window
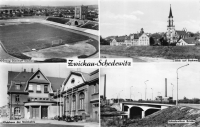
x,y
17,87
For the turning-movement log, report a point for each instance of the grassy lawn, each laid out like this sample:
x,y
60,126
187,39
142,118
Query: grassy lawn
x,y
168,52
25,37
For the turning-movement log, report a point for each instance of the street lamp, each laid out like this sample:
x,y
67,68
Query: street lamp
x,y
118,95
152,93
130,91
145,88
141,95
172,89
177,82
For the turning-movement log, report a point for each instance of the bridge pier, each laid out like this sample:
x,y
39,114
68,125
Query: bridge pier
x,y
143,114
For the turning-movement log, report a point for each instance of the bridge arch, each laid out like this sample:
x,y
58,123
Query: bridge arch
x,y
76,23
126,108
150,111
136,112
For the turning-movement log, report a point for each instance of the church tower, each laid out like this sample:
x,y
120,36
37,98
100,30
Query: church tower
x,y
170,28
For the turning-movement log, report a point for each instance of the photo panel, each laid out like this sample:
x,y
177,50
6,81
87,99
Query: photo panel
x,y
147,94
49,93
49,31
150,30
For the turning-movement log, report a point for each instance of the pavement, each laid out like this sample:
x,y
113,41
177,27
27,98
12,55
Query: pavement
x,y
56,122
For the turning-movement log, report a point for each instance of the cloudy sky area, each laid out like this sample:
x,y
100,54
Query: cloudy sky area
x,y
49,2
120,17
119,79
51,70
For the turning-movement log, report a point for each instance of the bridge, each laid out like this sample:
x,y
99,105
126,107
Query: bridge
x,y
135,110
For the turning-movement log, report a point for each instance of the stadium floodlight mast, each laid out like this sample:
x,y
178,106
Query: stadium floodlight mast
x,y
177,82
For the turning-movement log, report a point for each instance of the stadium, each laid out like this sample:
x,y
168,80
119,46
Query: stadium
x,y
42,39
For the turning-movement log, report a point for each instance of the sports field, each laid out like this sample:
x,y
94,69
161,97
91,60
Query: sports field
x,y
20,38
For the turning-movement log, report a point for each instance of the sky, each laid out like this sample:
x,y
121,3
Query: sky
x,y
51,70
125,81
49,2
121,17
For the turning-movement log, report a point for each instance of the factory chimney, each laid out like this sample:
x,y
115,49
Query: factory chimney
x,y
105,87
165,87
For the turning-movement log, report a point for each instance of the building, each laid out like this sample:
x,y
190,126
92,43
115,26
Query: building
x,y
31,95
172,35
188,41
80,92
81,12
139,39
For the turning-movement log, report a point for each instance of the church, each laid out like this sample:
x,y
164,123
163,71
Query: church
x,y
172,35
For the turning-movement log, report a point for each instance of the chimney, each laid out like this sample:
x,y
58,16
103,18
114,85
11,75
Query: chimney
x,y
31,69
165,87
105,87
24,70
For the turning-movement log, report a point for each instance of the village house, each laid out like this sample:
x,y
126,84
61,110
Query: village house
x,y
31,95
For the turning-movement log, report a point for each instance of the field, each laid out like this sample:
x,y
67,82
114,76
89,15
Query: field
x,y
21,38
167,52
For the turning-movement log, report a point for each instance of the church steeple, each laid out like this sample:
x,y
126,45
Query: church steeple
x,y
170,13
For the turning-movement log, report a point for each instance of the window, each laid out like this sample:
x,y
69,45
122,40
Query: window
x,y
17,98
17,111
67,105
46,89
17,87
81,100
38,89
74,103
72,81
30,88
96,88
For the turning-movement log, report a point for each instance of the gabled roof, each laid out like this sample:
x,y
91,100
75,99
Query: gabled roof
x,y
23,76
11,76
191,40
18,78
87,77
120,38
56,82
181,32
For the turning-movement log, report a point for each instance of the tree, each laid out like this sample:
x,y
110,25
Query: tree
x,y
103,41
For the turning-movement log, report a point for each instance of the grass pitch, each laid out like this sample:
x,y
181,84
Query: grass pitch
x,y
21,38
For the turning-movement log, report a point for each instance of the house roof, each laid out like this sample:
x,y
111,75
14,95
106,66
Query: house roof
x,y
11,76
56,82
181,32
120,38
89,76
18,78
22,77
191,40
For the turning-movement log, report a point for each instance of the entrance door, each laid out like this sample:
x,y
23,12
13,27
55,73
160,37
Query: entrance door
x,y
35,112
44,112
